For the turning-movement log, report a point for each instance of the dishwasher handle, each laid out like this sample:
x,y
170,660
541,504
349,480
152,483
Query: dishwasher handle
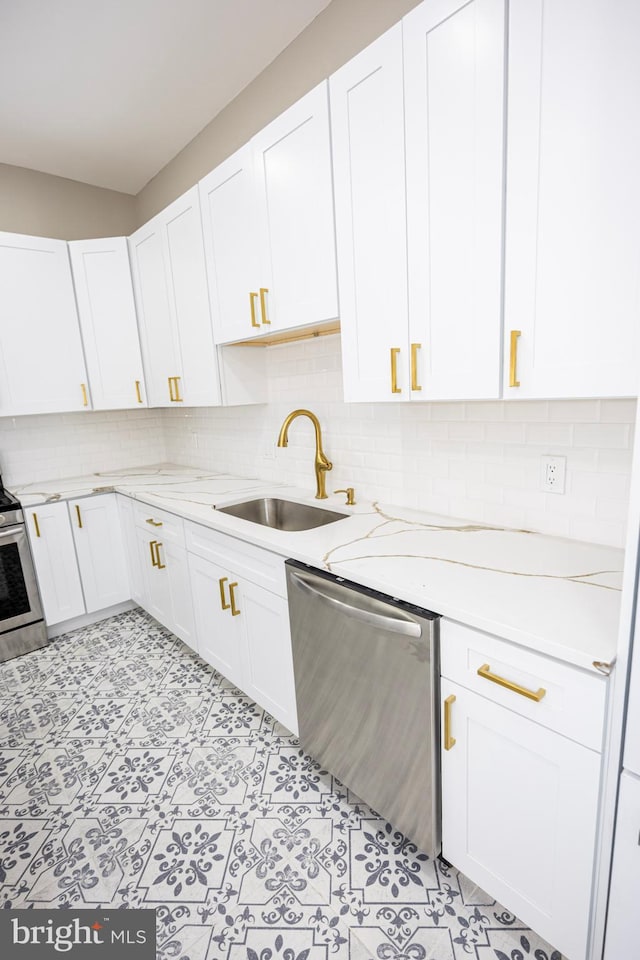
x,y
407,628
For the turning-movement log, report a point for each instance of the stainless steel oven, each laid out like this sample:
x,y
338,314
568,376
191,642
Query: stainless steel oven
x,y
22,627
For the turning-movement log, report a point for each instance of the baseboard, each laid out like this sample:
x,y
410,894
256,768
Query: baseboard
x,y
88,618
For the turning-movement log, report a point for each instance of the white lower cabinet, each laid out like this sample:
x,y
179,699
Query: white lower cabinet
x,y
54,558
129,537
166,591
519,800
100,551
243,625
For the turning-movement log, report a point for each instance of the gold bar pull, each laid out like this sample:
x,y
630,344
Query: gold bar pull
x,y
177,397
138,394
85,399
154,523
263,304
170,382
154,562
485,672
394,370
252,303
160,565
79,516
603,667
513,359
449,741
414,366
232,597
36,524
223,602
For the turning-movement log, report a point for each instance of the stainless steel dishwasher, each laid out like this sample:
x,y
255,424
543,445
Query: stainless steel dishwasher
x,y
367,673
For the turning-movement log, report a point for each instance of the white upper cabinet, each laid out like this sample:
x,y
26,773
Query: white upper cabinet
x,y
573,199
170,283
269,227
104,292
369,179
42,366
454,68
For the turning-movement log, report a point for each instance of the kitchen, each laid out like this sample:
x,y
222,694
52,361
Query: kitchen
x,y
521,472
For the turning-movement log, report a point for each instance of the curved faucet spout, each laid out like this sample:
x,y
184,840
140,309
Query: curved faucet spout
x,y
321,464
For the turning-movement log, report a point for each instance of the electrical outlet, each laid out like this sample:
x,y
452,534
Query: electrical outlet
x,y
553,474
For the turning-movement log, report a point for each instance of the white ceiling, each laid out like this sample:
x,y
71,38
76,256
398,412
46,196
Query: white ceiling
x,y
108,91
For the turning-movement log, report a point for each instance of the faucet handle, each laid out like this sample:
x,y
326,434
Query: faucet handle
x,y
350,492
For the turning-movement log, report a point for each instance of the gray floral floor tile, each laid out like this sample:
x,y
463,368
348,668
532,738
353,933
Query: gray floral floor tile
x,y
134,775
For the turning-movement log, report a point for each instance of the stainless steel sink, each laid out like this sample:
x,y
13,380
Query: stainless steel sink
x,y
282,514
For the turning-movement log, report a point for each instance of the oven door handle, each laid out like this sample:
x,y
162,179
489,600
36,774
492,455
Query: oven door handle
x,y
17,528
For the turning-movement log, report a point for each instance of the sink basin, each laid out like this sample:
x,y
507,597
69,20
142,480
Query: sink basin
x,y
282,514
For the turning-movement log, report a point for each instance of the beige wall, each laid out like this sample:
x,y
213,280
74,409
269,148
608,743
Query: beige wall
x,y
46,206
343,29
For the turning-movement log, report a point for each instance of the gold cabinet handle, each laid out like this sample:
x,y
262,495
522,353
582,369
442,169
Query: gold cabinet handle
x,y
223,602
485,672
232,597
170,382
252,303
36,524
449,741
350,492
263,304
154,562
394,370
159,564
513,359
85,399
177,397
414,366
138,394
154,523
79,516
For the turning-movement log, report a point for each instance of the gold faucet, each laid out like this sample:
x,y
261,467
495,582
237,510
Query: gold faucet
x,y
321,463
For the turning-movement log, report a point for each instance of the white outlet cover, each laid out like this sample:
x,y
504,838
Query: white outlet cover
x,y
553,474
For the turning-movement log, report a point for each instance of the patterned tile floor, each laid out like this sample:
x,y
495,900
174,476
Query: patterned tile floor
x,y
133,775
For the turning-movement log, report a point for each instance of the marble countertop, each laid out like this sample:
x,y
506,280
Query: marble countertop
x,y
556,596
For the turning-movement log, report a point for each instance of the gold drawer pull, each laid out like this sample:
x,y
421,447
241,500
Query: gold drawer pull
x,y
170,382
513,359
160,565
79,516
36,524
223,602
138,394
232,597
85,399
154,562
449,741
263,304
177,397
154,523
252,302
485,672
414,366
394,370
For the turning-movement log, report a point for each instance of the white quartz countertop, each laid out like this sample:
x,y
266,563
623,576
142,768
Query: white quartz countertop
x,y
556,596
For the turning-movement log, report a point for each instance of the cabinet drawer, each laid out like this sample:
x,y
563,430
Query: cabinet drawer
x,y
253,563
165,525
573,702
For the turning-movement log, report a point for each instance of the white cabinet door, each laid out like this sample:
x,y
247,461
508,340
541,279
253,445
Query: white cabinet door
x,y
100,550
218,630
625,877
294,193
102,279
454,69
170,282
54,557
367,128
573,198
42,366
519,815
268,661
160,347
232,243
167,595
134,565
